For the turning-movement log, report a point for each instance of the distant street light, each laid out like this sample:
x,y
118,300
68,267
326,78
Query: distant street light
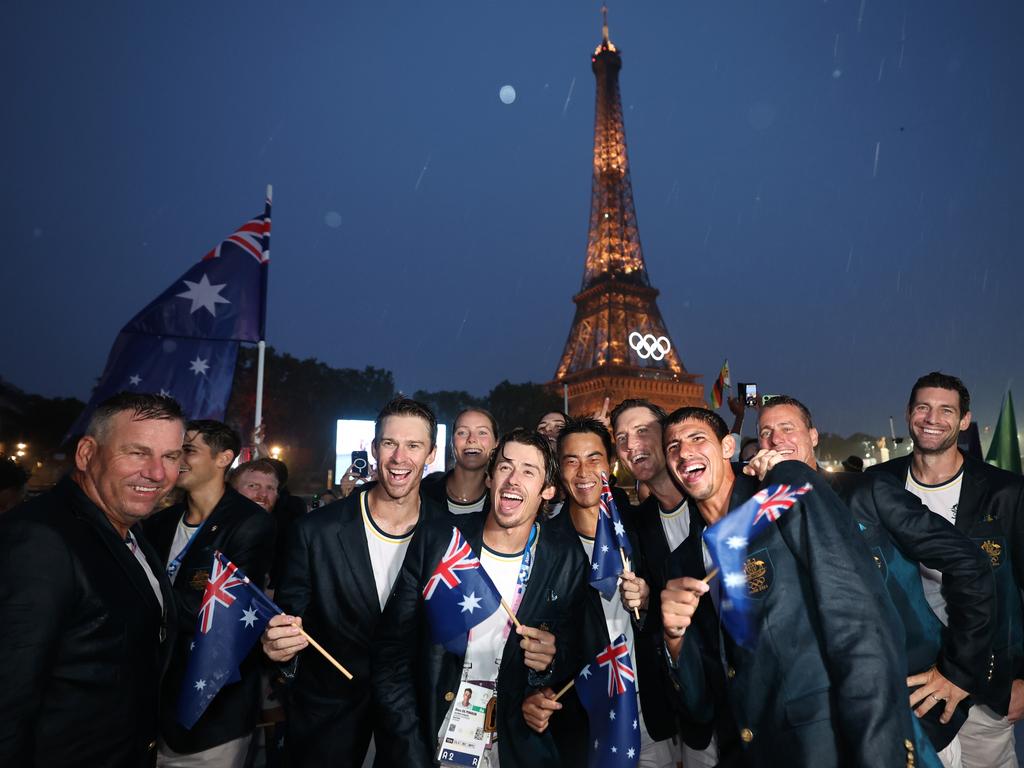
x,y
275,452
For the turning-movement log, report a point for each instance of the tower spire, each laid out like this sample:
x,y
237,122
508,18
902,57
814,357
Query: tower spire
x,y
604,24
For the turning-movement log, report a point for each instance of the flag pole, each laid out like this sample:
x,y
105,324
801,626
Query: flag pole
x,y
511,615
565,688
325,654
261,346
625,564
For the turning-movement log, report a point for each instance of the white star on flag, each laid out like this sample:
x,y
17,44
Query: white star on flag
x,y
604,547
611,714
192,645
735,579
736,542
619,530
199,365
203,294
200,685
135,380
470,603
630,753
164,392
249,616
614,750
585,672
634,725
595,566
596,743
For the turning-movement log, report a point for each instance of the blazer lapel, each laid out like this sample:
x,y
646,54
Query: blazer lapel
x,y
539,586
972,491
356,556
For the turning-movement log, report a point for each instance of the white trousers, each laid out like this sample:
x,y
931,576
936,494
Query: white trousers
x,y
230,754
985,741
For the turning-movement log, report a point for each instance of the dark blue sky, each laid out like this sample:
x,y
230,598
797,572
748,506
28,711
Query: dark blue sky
x,y
829,193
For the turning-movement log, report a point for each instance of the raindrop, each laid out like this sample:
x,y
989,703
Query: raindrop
x,y
507,94
837,73
332,219
878,148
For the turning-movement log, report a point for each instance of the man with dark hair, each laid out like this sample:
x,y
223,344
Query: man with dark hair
x,y
464,487
584,448
906,539
824,685
213,517
85,606
13,480
986,504
539,572
342,560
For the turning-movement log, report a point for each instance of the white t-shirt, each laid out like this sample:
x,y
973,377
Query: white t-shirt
x,y
943,500
460,508
487,639
182,536
387,552
676,524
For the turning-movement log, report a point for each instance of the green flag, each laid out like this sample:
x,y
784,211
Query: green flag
x,y
1004,451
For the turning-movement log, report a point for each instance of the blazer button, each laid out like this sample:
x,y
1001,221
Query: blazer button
x,y
449,696
908,744
747,735
730,673
151,746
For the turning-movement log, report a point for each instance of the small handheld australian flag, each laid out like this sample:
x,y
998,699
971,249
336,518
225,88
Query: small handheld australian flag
x,y
612,708
728,543
610,537
458,595
232,616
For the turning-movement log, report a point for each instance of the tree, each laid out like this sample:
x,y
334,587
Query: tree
x,y
521,405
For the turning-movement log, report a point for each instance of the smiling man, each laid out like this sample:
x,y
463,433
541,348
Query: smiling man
x,y
539,572
906,540
824,685
213,517
85,607
258,481
464,487
340,564
986,504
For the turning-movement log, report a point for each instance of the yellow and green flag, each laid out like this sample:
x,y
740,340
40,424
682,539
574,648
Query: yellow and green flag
x,y
1004,452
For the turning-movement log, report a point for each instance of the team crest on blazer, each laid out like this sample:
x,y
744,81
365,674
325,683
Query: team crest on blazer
x,y
760,573
883,567
993,548
199,579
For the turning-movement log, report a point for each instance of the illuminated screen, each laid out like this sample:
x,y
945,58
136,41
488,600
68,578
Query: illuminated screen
x,y
357,434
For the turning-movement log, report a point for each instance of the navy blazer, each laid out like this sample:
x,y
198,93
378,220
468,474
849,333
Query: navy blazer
x,y
415,679
85,641
328,581
825,685
991,514
244,532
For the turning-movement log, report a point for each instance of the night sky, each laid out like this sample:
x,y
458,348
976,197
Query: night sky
x,y
828,193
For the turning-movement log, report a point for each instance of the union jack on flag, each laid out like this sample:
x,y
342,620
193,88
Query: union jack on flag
x,y
616,658
613,710
252,237
231,618
775,500
458,595
611,544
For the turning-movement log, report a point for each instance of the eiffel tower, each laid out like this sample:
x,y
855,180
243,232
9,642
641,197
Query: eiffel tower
x,y
618,345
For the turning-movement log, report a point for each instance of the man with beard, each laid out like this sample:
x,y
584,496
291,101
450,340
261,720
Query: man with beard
x,y
341,562
213,517
540,573
662,523
464,487
986,504
823,686
85,607
258,481
584,447
905,538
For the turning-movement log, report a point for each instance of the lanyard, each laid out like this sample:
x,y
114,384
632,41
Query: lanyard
x,y
525,568
175,564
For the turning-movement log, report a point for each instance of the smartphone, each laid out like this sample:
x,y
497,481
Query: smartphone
x,y
361,463
749,394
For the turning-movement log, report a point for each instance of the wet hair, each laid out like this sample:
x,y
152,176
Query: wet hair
x,y
142,406
585,425
942,381
484,411
703,415
534,440
636,402
405,406
774,400
266,466
216,434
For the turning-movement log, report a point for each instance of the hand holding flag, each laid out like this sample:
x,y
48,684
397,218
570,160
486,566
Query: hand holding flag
x,y
728,543
610,539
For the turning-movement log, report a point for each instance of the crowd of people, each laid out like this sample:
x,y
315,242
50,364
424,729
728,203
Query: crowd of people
x,y
888,602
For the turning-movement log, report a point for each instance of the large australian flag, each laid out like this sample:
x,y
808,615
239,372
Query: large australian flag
x,y
611,704
458,595
611,545
232,616
728,543
185,342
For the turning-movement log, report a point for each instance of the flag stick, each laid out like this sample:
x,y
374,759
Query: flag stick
x,y
625,564
261,346
707,579
565,688
326,655
511,615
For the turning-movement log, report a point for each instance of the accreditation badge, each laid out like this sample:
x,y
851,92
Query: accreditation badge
x,y
466,733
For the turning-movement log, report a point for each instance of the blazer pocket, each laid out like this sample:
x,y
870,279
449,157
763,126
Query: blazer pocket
x,y
809,708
